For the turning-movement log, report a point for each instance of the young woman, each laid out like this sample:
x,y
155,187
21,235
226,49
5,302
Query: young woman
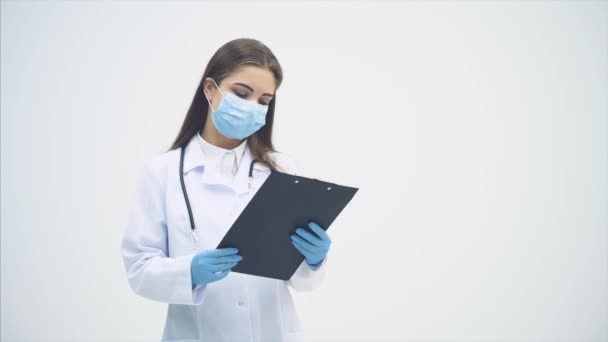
x,y
169,242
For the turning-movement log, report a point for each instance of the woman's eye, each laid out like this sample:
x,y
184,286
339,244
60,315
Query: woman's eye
x,y
244,95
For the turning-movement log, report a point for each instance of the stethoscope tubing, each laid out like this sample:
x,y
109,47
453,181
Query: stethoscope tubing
x,y
181,179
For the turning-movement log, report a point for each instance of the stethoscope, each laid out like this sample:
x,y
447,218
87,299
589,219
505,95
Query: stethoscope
x,y
181,178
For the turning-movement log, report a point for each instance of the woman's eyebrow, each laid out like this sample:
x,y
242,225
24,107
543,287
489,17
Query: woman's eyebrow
x,y
250,89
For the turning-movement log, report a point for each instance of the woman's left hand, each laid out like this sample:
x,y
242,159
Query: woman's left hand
x,y
313,247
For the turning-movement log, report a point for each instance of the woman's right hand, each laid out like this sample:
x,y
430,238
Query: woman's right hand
x,y
213,264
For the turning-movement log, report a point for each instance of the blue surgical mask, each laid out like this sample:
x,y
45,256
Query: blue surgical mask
x,y
237,118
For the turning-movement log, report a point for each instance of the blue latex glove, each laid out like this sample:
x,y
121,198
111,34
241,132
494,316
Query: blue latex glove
x,y
314,247
205,264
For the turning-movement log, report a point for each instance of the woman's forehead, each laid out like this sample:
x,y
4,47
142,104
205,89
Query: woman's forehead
x,y
260,79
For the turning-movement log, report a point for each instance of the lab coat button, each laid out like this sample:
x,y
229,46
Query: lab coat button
x,y
241,303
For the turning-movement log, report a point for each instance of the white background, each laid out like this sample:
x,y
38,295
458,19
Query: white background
x,y
476,132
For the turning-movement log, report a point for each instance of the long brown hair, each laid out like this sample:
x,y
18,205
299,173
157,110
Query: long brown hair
x,y
242,51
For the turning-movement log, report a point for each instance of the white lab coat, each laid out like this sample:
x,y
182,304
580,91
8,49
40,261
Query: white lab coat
x,y
158,246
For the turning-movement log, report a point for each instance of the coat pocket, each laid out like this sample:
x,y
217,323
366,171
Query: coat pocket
x,y
179,222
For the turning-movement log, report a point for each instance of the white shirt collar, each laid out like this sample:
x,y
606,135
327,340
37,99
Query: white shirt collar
x,y
224,161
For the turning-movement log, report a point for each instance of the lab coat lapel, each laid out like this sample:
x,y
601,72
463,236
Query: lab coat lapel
x,y
194,157
211,176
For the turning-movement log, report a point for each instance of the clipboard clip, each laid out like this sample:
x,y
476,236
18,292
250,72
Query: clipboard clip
x,y
327,188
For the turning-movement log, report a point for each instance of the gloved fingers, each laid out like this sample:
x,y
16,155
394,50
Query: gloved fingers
x,y
319,231
220,275
223,259
221,267
308,236
305,249
214,253
321,244
301,249
309,246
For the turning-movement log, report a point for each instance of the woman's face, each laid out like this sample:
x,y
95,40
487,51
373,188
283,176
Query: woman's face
x,y
248,81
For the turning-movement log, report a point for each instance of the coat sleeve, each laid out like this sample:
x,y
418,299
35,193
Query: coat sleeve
x,y
150,273
306,277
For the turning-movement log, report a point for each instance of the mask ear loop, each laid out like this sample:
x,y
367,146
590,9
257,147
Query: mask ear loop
x,y
207,97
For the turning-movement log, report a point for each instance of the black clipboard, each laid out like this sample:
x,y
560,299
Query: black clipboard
x,y
283,203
